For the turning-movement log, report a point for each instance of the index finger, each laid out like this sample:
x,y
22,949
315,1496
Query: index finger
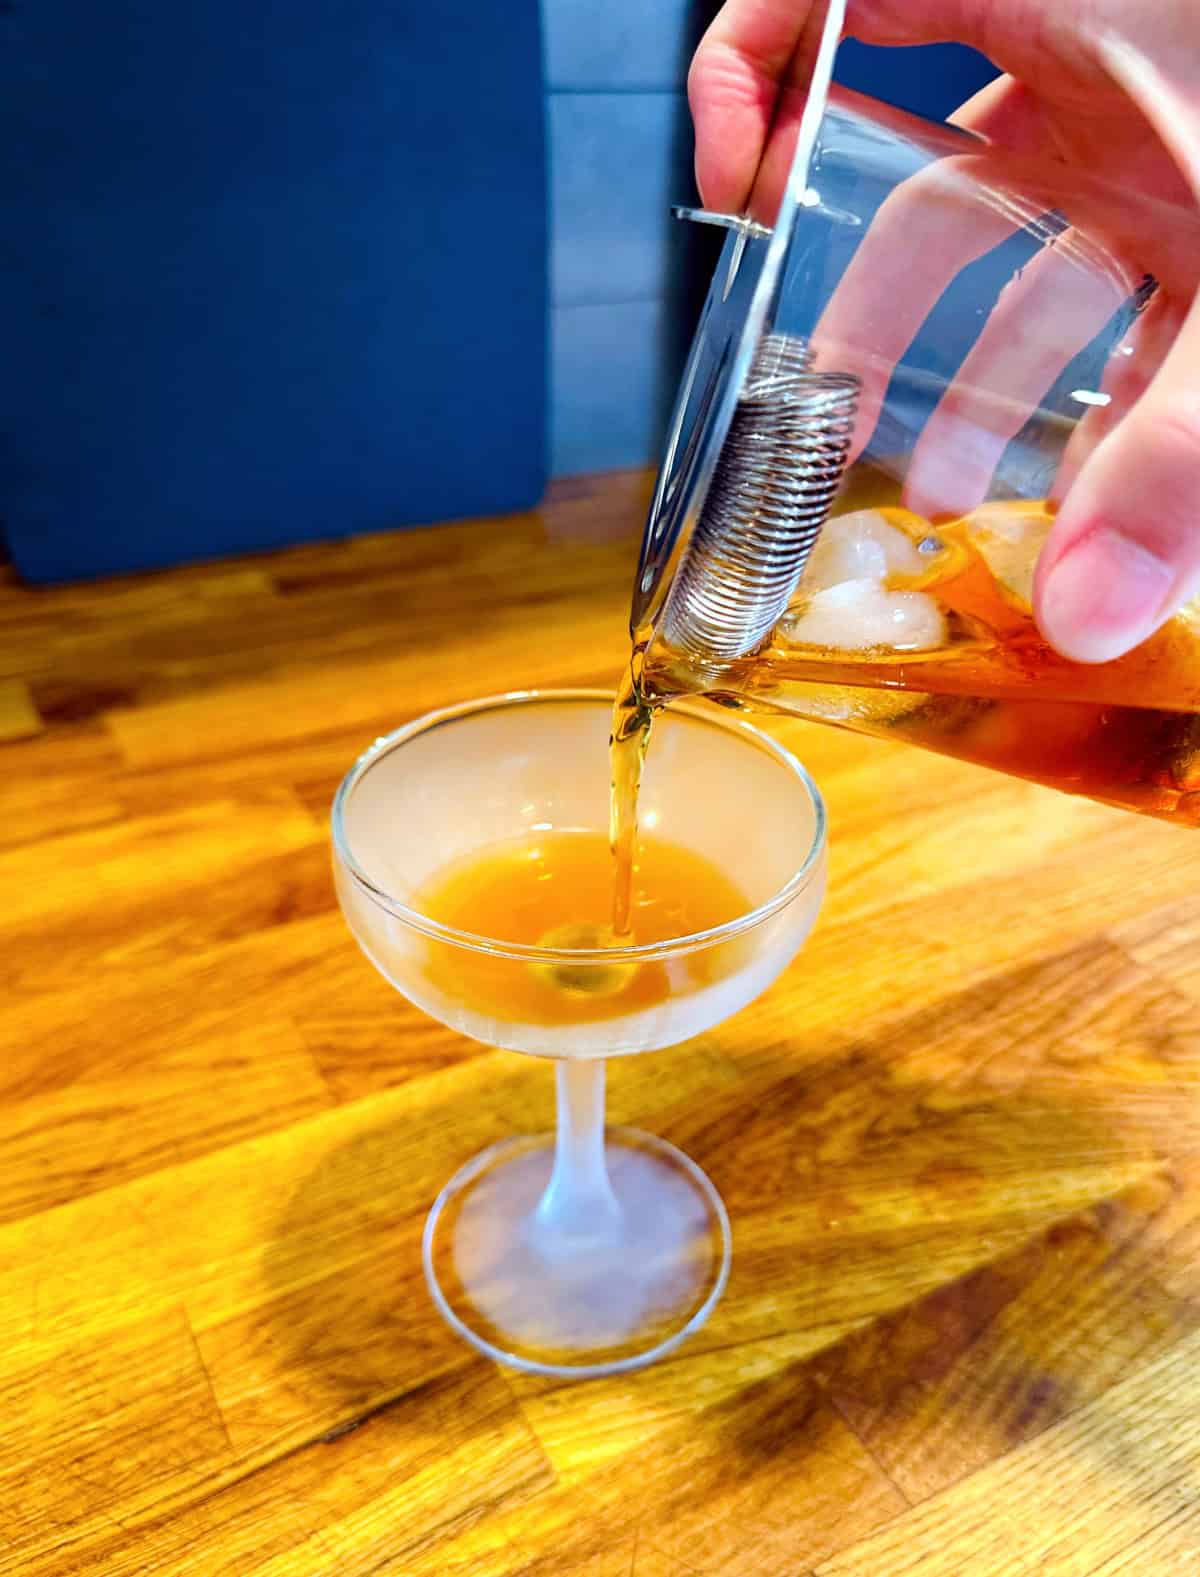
x,y
754,46
733,85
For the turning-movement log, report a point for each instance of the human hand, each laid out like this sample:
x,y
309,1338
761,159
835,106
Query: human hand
x,y
1101,87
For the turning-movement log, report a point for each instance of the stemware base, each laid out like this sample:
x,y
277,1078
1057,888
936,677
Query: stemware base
x,y
581,1293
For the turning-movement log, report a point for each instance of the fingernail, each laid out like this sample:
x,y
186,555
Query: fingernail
x,y
1103,597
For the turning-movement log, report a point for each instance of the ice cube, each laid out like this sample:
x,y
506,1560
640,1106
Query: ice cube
x,y
862,545
1010,536
862,615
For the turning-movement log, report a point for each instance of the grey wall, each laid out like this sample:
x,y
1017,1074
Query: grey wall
x,y
620,153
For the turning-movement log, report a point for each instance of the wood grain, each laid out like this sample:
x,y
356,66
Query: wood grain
x,y
960,1141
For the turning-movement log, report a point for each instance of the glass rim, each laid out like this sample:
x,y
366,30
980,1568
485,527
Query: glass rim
x,y
527,952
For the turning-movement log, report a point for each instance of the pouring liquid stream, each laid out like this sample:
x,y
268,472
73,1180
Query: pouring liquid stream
x,y
632,719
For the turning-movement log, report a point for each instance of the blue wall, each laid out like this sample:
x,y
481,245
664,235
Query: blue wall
x,y
620,149
267,272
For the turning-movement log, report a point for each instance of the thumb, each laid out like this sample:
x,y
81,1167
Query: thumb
x,y
1124,553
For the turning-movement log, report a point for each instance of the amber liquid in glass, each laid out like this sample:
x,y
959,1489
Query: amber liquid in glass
x,y
555,890
992,691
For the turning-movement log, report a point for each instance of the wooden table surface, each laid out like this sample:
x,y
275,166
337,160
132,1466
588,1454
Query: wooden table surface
x,y
958,1141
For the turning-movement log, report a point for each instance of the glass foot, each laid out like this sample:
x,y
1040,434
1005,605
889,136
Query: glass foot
x,y
577,1295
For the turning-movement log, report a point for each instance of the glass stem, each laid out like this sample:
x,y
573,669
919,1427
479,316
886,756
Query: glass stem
x,y
579,1201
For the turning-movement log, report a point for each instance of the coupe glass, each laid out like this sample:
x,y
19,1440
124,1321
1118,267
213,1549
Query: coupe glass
x,y
584,1252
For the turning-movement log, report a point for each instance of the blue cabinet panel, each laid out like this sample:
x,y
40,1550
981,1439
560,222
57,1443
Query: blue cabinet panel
x,y
267,272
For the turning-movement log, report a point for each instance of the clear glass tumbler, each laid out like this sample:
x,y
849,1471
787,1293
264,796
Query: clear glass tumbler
x,y
914,341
